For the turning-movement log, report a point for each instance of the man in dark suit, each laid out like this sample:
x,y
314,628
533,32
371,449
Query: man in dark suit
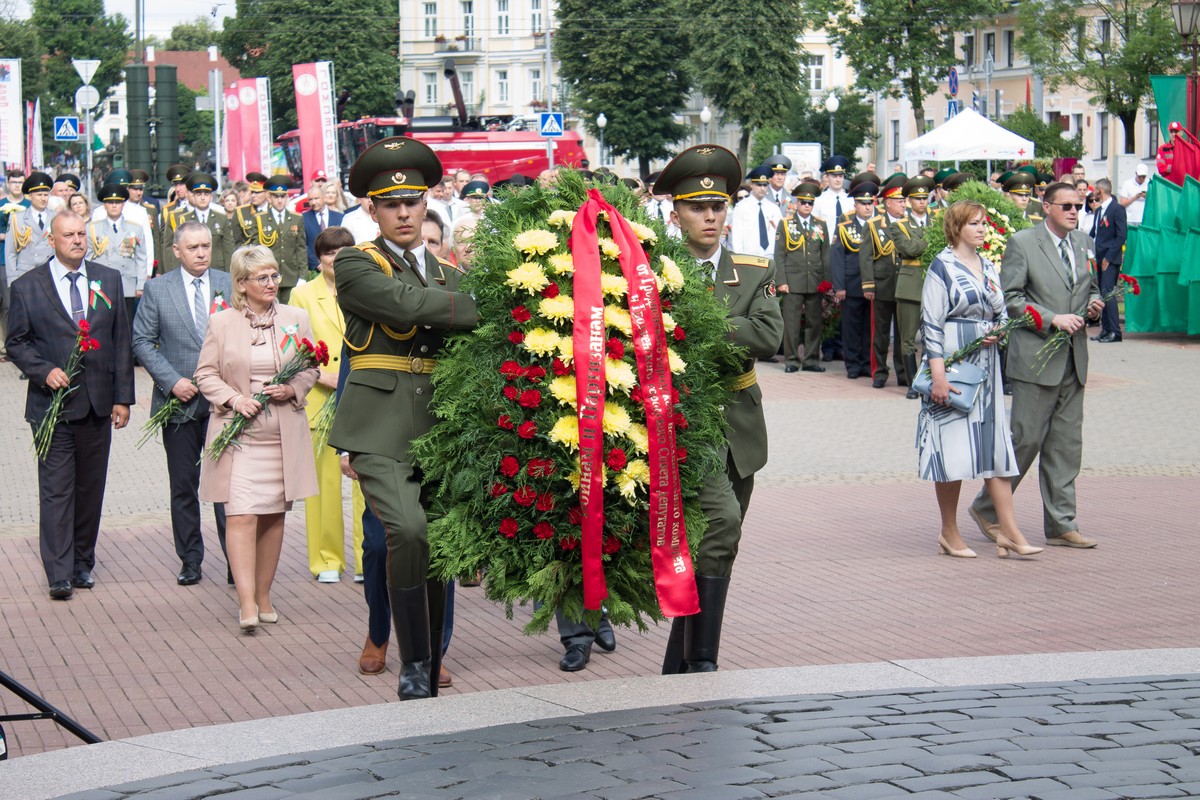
x,y
316,219
1109,229
847,280
48,304
168,331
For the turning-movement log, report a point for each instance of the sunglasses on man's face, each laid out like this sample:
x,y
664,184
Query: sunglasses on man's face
x,y
1069,206
804,202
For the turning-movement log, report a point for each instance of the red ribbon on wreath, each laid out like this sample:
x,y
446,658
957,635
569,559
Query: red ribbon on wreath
x,y
672,562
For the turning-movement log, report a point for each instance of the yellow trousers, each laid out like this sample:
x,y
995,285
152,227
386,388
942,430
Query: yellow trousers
x,y
324,519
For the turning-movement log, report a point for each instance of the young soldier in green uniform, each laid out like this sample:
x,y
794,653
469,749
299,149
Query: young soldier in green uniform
x,y
1018,188
244,214
399,301
909,237
802,265
700,179
283,232
200,186
879,264
137,196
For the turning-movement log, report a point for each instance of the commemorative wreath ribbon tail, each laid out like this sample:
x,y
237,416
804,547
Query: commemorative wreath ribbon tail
x,y
674,580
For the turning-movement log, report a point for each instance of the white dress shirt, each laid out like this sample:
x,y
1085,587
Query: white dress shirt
x,y
360,225
744,236
418,252
189,287
62,284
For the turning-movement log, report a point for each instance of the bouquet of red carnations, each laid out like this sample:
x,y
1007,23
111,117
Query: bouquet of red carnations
x,y
84,343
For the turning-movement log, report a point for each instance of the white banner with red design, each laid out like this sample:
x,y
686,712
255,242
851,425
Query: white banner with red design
x,y
12,114
315,116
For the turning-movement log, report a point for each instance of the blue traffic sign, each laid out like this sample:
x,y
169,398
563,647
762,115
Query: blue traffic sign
x,y
952,108
66,129
953,82
550,123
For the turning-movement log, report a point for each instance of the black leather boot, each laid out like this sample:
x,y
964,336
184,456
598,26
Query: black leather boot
x,y
673,663
437,627
910,366
410,618
702,632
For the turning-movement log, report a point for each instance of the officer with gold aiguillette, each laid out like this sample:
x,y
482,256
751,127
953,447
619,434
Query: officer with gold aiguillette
x,y
880,265
399,302
282,231
200,186
802,265
909,236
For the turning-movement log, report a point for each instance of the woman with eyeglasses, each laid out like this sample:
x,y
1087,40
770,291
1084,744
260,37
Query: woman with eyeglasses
x,y
271,465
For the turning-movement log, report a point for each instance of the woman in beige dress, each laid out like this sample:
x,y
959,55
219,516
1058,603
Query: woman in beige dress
x,y
271,464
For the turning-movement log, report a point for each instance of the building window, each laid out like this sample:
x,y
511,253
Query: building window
x,y
535,15
895,140
928,125
1059,119
430,81
430,14
1101,135
502,17
468,15
501,86
466,79
1153,132
969,50
535,85
1010,48
989,46
815,67
1078,122
1104,30
114,107
114,137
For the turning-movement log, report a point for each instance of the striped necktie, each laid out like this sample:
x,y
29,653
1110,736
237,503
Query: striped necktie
x,y
199,310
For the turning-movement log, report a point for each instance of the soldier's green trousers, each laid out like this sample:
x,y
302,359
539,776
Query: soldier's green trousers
x,y
393,490
908,319
724,498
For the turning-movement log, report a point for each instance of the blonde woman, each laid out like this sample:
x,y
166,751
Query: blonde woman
x,y
272,464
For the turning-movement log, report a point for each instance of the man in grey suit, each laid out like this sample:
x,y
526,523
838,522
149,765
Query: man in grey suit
x,y
168,331
1051,268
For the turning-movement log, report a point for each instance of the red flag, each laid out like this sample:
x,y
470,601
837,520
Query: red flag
x,y
1028,93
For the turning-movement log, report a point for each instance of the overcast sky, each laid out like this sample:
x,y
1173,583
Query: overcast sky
x,y
161,15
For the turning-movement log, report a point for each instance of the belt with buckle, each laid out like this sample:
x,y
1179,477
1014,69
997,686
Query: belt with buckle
x,y
417,366
743,381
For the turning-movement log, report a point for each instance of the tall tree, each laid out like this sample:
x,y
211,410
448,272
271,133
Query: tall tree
x,y
359,36
1047,137
1109,48
901,48
625,65
77,29
199,34
803,121
747,59
21,41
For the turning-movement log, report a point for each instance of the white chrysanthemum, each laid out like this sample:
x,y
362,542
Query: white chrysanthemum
x,y
669,323
609,248
617,317
557,309
671,274
566,349
614,286
562,264
536,242
616,419
561,219
639,436
541,341
644,232
566,433
619,375
529,276
563,390
678,365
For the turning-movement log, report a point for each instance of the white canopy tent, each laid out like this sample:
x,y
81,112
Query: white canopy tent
x,y
968,135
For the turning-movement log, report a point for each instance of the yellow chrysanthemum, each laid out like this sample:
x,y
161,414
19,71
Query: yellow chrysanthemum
x,y
566,349
609,248
659,283
576,476
619,375
557,309
536,242
615,286
671,273
639,470
616,419
617,317
639,436
669,323
566,433
541,341
628,487
644,232
678,365
563,390
561,219
561,264
573,477
529,276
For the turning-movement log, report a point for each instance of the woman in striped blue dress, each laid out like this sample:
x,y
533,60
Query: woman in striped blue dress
x,y
960,302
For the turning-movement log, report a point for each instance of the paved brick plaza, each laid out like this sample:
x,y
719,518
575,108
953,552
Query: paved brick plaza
x,y
838,566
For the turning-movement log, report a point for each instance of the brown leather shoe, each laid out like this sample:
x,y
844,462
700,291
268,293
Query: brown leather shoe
x,y
1072,539
373,658
989,529
445,678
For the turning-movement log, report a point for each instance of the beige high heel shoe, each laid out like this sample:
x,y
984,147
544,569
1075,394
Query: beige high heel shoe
x,y
1003,545
945,549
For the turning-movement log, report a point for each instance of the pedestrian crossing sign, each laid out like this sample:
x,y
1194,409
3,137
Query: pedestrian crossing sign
x,y
66,129
551,123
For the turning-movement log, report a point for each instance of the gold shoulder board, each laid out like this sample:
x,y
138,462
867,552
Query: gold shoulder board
x,y
762,262
451,265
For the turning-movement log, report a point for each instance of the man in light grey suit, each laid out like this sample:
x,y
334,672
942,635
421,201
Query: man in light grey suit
x,y
1051,268
168,331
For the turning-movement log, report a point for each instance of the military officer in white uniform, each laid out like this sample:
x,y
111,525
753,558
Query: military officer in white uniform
x,y
119,243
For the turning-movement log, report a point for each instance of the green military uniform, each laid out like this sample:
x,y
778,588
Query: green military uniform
x,y
214,219
879,264
398,305
802,265
909,237
283,232
243,215
177,175
746,285
1019,188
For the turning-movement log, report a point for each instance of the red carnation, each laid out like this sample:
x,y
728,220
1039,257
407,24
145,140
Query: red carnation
x,y
516,337
530,398
666,305
680,421
511,370
510,392
823,287
675,395
568,543
611,545
509,466
616,459
1133,284
534,373
505,422
543,530
85,327
681,454
615,349
499,490
575,515
679,334
521,314
636,396
545,502
560,367
1000,230
540,467
527,429
93,344
550,291
1037,318
525,496
508,526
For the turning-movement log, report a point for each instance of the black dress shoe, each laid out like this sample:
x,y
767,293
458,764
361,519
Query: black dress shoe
x,y
790,368
770,360
879,381
576,658
813,368
606,640
189,575
82,579
853,374
1109,338
61,590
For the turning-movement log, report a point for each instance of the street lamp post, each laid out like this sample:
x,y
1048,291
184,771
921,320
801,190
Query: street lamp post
x,y
705,118
601,123
832,104
1187,24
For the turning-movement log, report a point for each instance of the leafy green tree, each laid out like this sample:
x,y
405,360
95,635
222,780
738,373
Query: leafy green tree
x,y
901,48
195,127
21,41
621,65
76,29
1109,48
359,36
199,34
805,122
746,57
1047,137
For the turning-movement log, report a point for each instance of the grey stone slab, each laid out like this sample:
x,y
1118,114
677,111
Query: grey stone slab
x,y
1051,741
985,746
189,791
1023,771
1047,756
1115,778
174,779
873,758
735,776
899,730
981,735
1085,793
875,774
871,745
93,794
813,723
718,793
277,775
820,736
258,764
932,765
792,767
357,791
949,781
638,791
798,783
863,791
1036,787
1155,751
1152,791
258,793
